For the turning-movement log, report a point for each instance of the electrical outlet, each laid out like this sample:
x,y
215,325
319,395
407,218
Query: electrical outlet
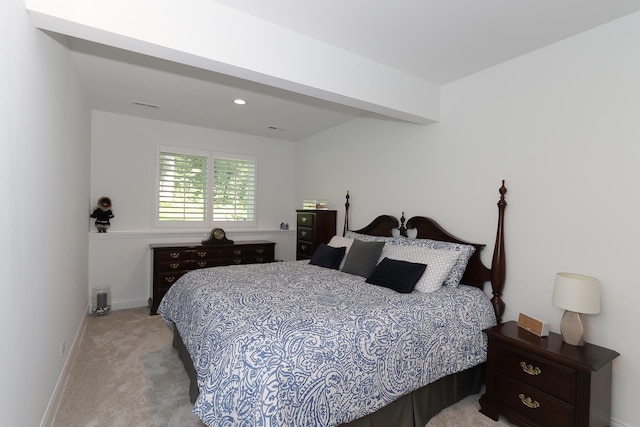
x,y
62,347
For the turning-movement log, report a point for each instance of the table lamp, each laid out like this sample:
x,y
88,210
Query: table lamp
x,y
576,294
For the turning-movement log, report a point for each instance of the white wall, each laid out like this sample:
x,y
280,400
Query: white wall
x,y
123,167
44,135
561,126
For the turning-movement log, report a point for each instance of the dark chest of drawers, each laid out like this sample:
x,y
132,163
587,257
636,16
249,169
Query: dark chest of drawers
x,y
314,227
542,381
170,261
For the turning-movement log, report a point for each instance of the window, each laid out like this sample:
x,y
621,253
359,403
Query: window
x,y
201,187
182,187
234,189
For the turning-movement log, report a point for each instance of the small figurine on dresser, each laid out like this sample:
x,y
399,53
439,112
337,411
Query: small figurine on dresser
x,y
102,213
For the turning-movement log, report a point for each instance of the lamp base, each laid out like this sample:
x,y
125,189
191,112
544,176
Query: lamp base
x,y
572,329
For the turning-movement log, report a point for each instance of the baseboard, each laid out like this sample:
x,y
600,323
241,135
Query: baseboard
x,y
124,304
615,423
131,303
56,396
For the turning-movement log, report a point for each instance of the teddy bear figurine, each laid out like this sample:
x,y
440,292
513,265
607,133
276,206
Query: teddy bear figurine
x,y
102,213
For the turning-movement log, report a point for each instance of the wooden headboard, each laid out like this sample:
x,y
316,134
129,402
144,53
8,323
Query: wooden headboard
x,y
476,274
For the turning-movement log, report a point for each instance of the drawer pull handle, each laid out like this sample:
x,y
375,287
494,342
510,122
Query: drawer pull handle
x,y
174,265
304,234
304,219
174,255
202,254
237,261
529,369
260,250
202,263
237,251
260,259
527,401
169,279
303,247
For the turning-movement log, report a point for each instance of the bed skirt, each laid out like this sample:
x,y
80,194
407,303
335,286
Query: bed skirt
x,y
412,410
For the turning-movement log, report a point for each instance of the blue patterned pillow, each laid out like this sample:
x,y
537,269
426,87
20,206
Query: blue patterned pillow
x,y
368,238
326,256
401,276
465,252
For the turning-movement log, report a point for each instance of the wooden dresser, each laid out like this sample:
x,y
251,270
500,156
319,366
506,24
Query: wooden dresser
x,y
314,227
542,381
170,261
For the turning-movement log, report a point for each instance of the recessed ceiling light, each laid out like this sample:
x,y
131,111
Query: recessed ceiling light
x,y
239,101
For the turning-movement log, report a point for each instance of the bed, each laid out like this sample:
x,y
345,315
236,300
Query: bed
x,y
328,342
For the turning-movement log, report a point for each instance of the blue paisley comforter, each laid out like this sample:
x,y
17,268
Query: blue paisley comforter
x,y
293,344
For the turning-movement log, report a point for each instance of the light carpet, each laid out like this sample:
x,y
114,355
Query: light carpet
x,y
124,372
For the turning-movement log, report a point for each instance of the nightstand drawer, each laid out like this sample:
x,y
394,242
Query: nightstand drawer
x,y
542,374
533,404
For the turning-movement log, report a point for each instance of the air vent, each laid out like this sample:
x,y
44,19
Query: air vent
x,y
145,105
275,128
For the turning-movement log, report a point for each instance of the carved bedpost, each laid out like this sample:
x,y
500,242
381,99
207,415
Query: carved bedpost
x,y
403,229
346,215
498,264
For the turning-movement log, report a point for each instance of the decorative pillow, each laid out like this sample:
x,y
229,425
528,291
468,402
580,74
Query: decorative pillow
x,y
401,276
362,258
464,253
439,263
326,256
339,242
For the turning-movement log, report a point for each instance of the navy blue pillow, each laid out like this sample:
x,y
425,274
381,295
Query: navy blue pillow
x,y
327,256
401,276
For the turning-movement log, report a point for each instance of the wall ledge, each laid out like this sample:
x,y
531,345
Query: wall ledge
x,y
185,234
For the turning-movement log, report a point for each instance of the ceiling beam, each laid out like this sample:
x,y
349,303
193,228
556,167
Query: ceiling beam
x,y
211,36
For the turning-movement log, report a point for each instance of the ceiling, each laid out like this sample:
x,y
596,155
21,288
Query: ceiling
x,y
436,40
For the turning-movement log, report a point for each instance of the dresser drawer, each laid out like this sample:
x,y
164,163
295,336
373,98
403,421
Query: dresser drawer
x,y
305,233
171,255
173,265
534,404
544,375
166,279
306,219
306,249
258,259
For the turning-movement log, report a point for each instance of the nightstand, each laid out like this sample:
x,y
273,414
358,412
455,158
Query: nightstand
x,y
543,382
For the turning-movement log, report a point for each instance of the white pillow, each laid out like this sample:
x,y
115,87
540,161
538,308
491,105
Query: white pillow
x,y
341,242
464,253
439,263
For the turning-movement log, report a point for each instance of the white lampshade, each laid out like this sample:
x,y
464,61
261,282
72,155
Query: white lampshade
x,y
577,293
